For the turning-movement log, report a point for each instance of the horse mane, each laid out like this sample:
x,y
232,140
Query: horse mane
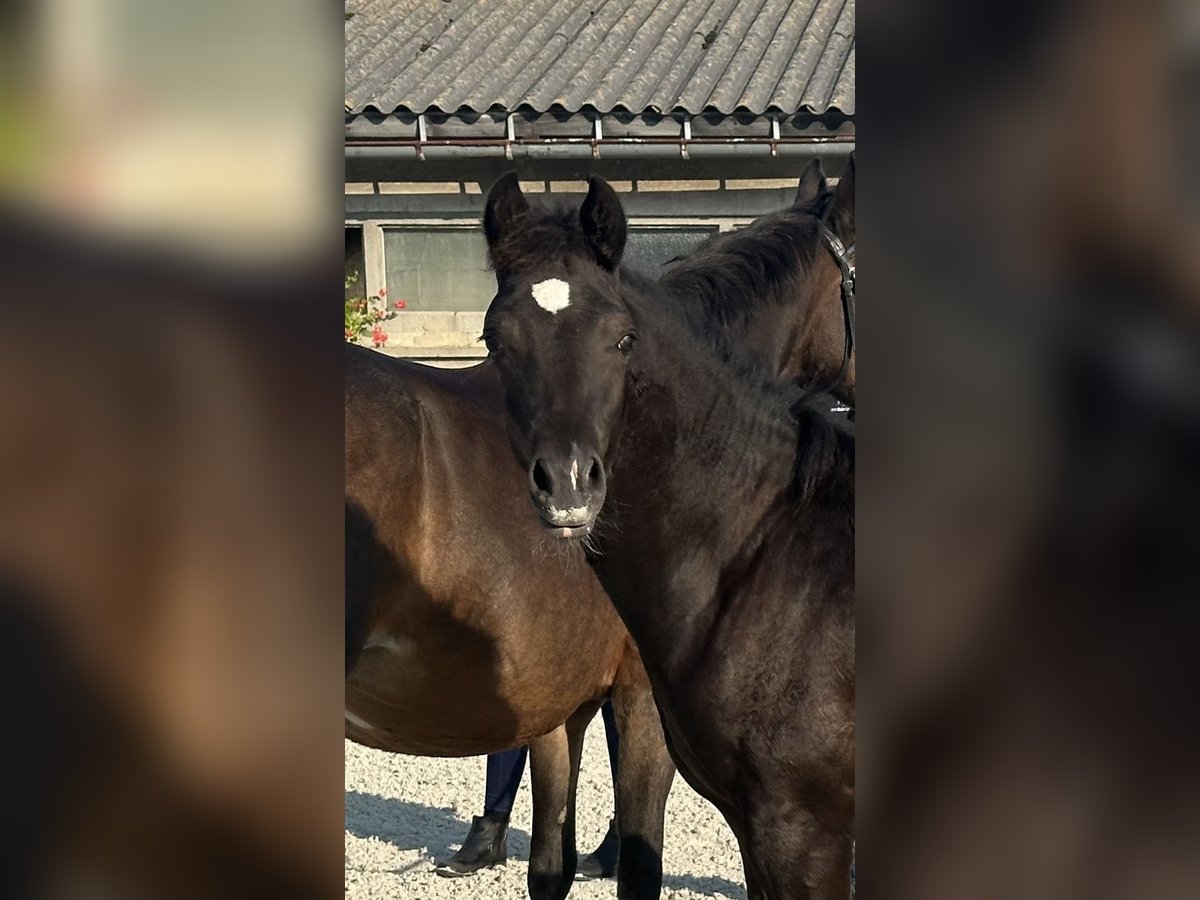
x,y
731,276
537,234
824,452
822,448
727,280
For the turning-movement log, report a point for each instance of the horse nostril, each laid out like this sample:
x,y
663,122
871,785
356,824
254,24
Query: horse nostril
x,y
595,473
541,477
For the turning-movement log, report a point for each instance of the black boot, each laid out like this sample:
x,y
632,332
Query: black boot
x,y
602,863
486,845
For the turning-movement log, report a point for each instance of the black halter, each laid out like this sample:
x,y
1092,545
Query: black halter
x,y
844,258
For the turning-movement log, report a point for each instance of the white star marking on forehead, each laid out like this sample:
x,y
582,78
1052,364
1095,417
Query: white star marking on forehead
x,y
552,294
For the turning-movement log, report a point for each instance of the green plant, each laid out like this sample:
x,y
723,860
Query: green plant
x,y
365,315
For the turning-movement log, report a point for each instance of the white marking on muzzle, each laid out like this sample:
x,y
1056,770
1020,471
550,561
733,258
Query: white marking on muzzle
x,y
552,294
575,514
575,474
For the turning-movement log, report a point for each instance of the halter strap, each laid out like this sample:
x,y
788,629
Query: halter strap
x,y
844,259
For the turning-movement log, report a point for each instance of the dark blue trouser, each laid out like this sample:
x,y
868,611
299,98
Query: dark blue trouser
x,y
504,769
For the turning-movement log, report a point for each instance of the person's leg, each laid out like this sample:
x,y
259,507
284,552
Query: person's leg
x,y
602,862
612,736
486,843
504,771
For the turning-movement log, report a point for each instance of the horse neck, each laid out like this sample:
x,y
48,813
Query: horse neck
x,y
778,339
794,329
802,341
815,346
700,462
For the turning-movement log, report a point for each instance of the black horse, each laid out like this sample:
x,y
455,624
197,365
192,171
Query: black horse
x,y
727,536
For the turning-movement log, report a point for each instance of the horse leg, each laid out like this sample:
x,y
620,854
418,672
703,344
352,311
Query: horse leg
x,y
791,855
754,882
828,858
549,778
576,729
644,775
554,774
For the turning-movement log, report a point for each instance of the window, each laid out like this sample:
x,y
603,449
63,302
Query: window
x,y
438,267
442,266
649,248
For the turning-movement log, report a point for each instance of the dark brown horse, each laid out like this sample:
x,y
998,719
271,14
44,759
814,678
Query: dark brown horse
x,y
478,635
771,292
468,629
727,541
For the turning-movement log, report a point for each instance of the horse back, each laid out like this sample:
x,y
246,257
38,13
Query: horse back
x,y
382,421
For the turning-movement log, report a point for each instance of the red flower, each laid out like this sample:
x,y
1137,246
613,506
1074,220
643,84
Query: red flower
x,y
400,304
382,292
378,336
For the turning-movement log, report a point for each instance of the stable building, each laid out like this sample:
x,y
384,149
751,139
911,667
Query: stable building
x,y
702,115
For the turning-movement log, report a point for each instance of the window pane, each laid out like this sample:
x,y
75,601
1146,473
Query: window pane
x,y
438,268
445,268
649,248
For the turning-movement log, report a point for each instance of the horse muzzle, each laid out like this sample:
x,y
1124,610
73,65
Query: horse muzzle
x,y
573,522
567,491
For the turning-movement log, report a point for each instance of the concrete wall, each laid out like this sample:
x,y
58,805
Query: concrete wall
x,y
438,338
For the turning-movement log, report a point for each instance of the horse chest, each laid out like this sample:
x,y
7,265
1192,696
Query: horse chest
x,y
702,755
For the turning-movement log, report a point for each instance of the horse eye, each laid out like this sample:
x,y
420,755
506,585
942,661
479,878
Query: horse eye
x,y
625,344
492,344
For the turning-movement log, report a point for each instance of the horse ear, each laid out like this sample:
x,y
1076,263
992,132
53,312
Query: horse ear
x,y
603,222
812,185
843,195
505,204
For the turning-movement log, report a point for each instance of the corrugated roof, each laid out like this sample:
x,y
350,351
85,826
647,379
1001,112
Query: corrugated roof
x,y
663,56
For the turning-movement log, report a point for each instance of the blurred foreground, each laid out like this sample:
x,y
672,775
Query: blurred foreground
x,y
1028,532
170,450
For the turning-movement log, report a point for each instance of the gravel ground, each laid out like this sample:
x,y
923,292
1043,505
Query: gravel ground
x,y
404,811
